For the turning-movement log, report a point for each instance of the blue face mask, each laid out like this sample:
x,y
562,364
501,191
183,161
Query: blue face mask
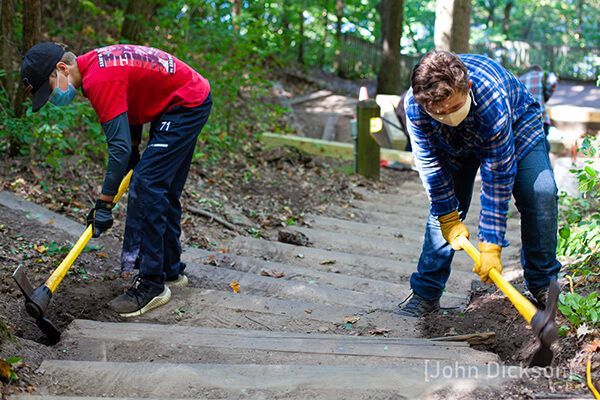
x,y
60,97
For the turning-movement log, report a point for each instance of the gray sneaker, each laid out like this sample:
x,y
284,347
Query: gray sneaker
x,y
180,280
417,306
140,298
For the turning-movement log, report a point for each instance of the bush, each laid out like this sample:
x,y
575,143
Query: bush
x,y
579,240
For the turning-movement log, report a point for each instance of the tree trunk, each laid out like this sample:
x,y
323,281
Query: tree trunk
x,y
490,19
506,22
285,24
391,13
7,10
580,19
301,39
137,14
339,14
32,34
32,23
529,25
452,21
236,10
325,32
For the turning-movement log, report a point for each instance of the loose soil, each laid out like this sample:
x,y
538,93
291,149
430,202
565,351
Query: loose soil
x,y
490,311
20,241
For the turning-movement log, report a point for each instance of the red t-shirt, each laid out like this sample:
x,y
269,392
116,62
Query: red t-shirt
x,y
143,81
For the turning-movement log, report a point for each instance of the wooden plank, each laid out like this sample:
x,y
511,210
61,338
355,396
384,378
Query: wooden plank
x,y
353,264
388,104
220,309
344,151
310,97
153,337
295,272
329,129
41,214
488,338
360,244
234,381
210,277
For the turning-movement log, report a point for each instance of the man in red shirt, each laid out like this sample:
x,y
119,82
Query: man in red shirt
x,y
128,86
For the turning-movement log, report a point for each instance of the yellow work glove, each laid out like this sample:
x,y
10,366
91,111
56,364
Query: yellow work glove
x,y
490,259
452,228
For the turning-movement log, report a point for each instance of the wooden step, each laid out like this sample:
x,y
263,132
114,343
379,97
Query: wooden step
x,y
295,272
220,309
157,380
133,342
350,264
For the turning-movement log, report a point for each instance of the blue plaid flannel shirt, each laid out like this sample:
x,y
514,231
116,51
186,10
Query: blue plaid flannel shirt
x,y
503,125
538,84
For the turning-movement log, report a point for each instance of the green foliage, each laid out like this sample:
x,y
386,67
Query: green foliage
x,y
578,309
579,239
563,330
238,52
52,133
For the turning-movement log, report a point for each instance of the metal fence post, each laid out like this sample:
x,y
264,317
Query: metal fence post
x,y
367,160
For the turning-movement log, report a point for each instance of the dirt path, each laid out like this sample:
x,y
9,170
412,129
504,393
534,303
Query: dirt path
x,y
311,321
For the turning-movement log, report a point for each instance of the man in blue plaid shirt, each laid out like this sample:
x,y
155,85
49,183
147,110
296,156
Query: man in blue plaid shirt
x,y
464,113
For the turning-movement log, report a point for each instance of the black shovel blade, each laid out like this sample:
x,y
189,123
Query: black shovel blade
x,y
48,329
542,357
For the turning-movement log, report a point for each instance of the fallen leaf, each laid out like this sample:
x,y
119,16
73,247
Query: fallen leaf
x,y
40,249
272,274
379,331
592,347
327,262
5,371
584,330
235,286
211,260
351,319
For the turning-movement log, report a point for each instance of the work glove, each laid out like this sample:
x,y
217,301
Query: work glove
x,y
490,259
452,228
100,217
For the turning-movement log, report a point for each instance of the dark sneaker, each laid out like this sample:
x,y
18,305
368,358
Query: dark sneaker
x,y
417,306
140,298
541,297
179,280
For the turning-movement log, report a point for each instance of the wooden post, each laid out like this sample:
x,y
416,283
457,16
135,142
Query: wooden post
x,y
367,159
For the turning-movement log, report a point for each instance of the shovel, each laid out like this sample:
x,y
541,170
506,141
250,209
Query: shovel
x,y
37,300
542,322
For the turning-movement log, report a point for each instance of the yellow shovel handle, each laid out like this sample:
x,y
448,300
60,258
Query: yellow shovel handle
x,y
59,273
524,306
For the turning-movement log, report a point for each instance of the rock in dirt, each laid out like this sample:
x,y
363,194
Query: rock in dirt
x,y
296,238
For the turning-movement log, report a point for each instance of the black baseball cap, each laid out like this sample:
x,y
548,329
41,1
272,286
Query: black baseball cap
x,y
37,65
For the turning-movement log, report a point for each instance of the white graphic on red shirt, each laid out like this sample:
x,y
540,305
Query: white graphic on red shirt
x,y
123,55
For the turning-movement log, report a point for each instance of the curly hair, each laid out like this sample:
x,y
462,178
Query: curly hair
x,y
437,76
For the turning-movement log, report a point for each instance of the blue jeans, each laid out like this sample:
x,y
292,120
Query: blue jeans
x,y
535,196
152,228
